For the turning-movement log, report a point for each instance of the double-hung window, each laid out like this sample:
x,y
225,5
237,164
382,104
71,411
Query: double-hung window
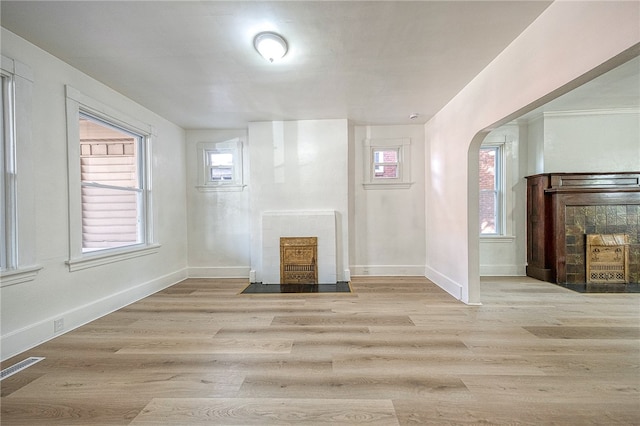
x,y
386,163
113,202
219,165
491,182
109,183
17,210
7,176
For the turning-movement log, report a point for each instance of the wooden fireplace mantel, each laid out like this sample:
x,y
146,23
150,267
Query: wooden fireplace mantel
x,y
549,195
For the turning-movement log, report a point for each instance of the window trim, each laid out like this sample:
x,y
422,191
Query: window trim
x,y
20,246
232,146
500,182
77,102
403,148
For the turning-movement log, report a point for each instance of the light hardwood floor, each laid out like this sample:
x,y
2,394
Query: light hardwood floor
x,y
395,351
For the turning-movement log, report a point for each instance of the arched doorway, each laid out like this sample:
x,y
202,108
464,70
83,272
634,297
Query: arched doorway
x,y
575,132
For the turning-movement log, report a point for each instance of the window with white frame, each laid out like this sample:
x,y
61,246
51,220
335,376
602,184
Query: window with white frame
x,y
220,166
388,163
7,176
491,183
109,183
17,248
113,207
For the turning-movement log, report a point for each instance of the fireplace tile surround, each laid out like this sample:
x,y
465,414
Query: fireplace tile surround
x,y
616,219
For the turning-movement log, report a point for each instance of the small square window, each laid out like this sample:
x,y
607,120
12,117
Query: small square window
x,y
385,164
221,168
220,165
388,164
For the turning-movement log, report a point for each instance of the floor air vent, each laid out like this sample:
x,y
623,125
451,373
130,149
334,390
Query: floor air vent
x,y
9,371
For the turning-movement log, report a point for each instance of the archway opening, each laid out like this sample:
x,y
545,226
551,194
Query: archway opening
x,y
590,125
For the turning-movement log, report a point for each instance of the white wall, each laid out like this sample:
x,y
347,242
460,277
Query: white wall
x,y
562,49
535,146
592,141
29,308
306,166
218,221
389,223
303,166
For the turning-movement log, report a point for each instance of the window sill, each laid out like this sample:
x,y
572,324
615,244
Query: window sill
x,y
221,188
18,276
497,238
388,185
93,260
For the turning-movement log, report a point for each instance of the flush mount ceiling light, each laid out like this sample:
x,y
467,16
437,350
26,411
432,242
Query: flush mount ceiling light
x,y
270,45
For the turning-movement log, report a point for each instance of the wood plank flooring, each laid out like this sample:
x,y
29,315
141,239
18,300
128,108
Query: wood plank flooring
x,y
396,351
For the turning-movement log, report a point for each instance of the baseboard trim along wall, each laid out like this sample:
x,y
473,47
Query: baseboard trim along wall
x,y
387,270
32,335
444,282
219,272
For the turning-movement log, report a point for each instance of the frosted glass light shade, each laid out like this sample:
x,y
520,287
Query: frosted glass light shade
x,y
271,46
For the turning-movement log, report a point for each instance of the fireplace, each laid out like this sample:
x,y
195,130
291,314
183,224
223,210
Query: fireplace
x,y
565,209
321,224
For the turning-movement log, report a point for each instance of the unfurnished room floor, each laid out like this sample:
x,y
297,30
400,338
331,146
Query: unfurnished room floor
x,y
393,351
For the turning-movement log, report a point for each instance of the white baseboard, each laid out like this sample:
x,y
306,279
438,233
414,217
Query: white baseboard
x,y
18,341
502,270
219,271
444,282
387,270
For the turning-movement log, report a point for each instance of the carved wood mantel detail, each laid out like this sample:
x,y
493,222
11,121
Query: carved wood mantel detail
x,y
298,260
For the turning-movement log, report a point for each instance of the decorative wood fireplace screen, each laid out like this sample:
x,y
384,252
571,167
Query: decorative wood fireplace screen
x,y
298,260
608,258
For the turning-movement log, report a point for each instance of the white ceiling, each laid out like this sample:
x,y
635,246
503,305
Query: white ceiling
x,y
193,62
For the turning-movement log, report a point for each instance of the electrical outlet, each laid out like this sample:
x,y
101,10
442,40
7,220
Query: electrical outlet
x,y
58,325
